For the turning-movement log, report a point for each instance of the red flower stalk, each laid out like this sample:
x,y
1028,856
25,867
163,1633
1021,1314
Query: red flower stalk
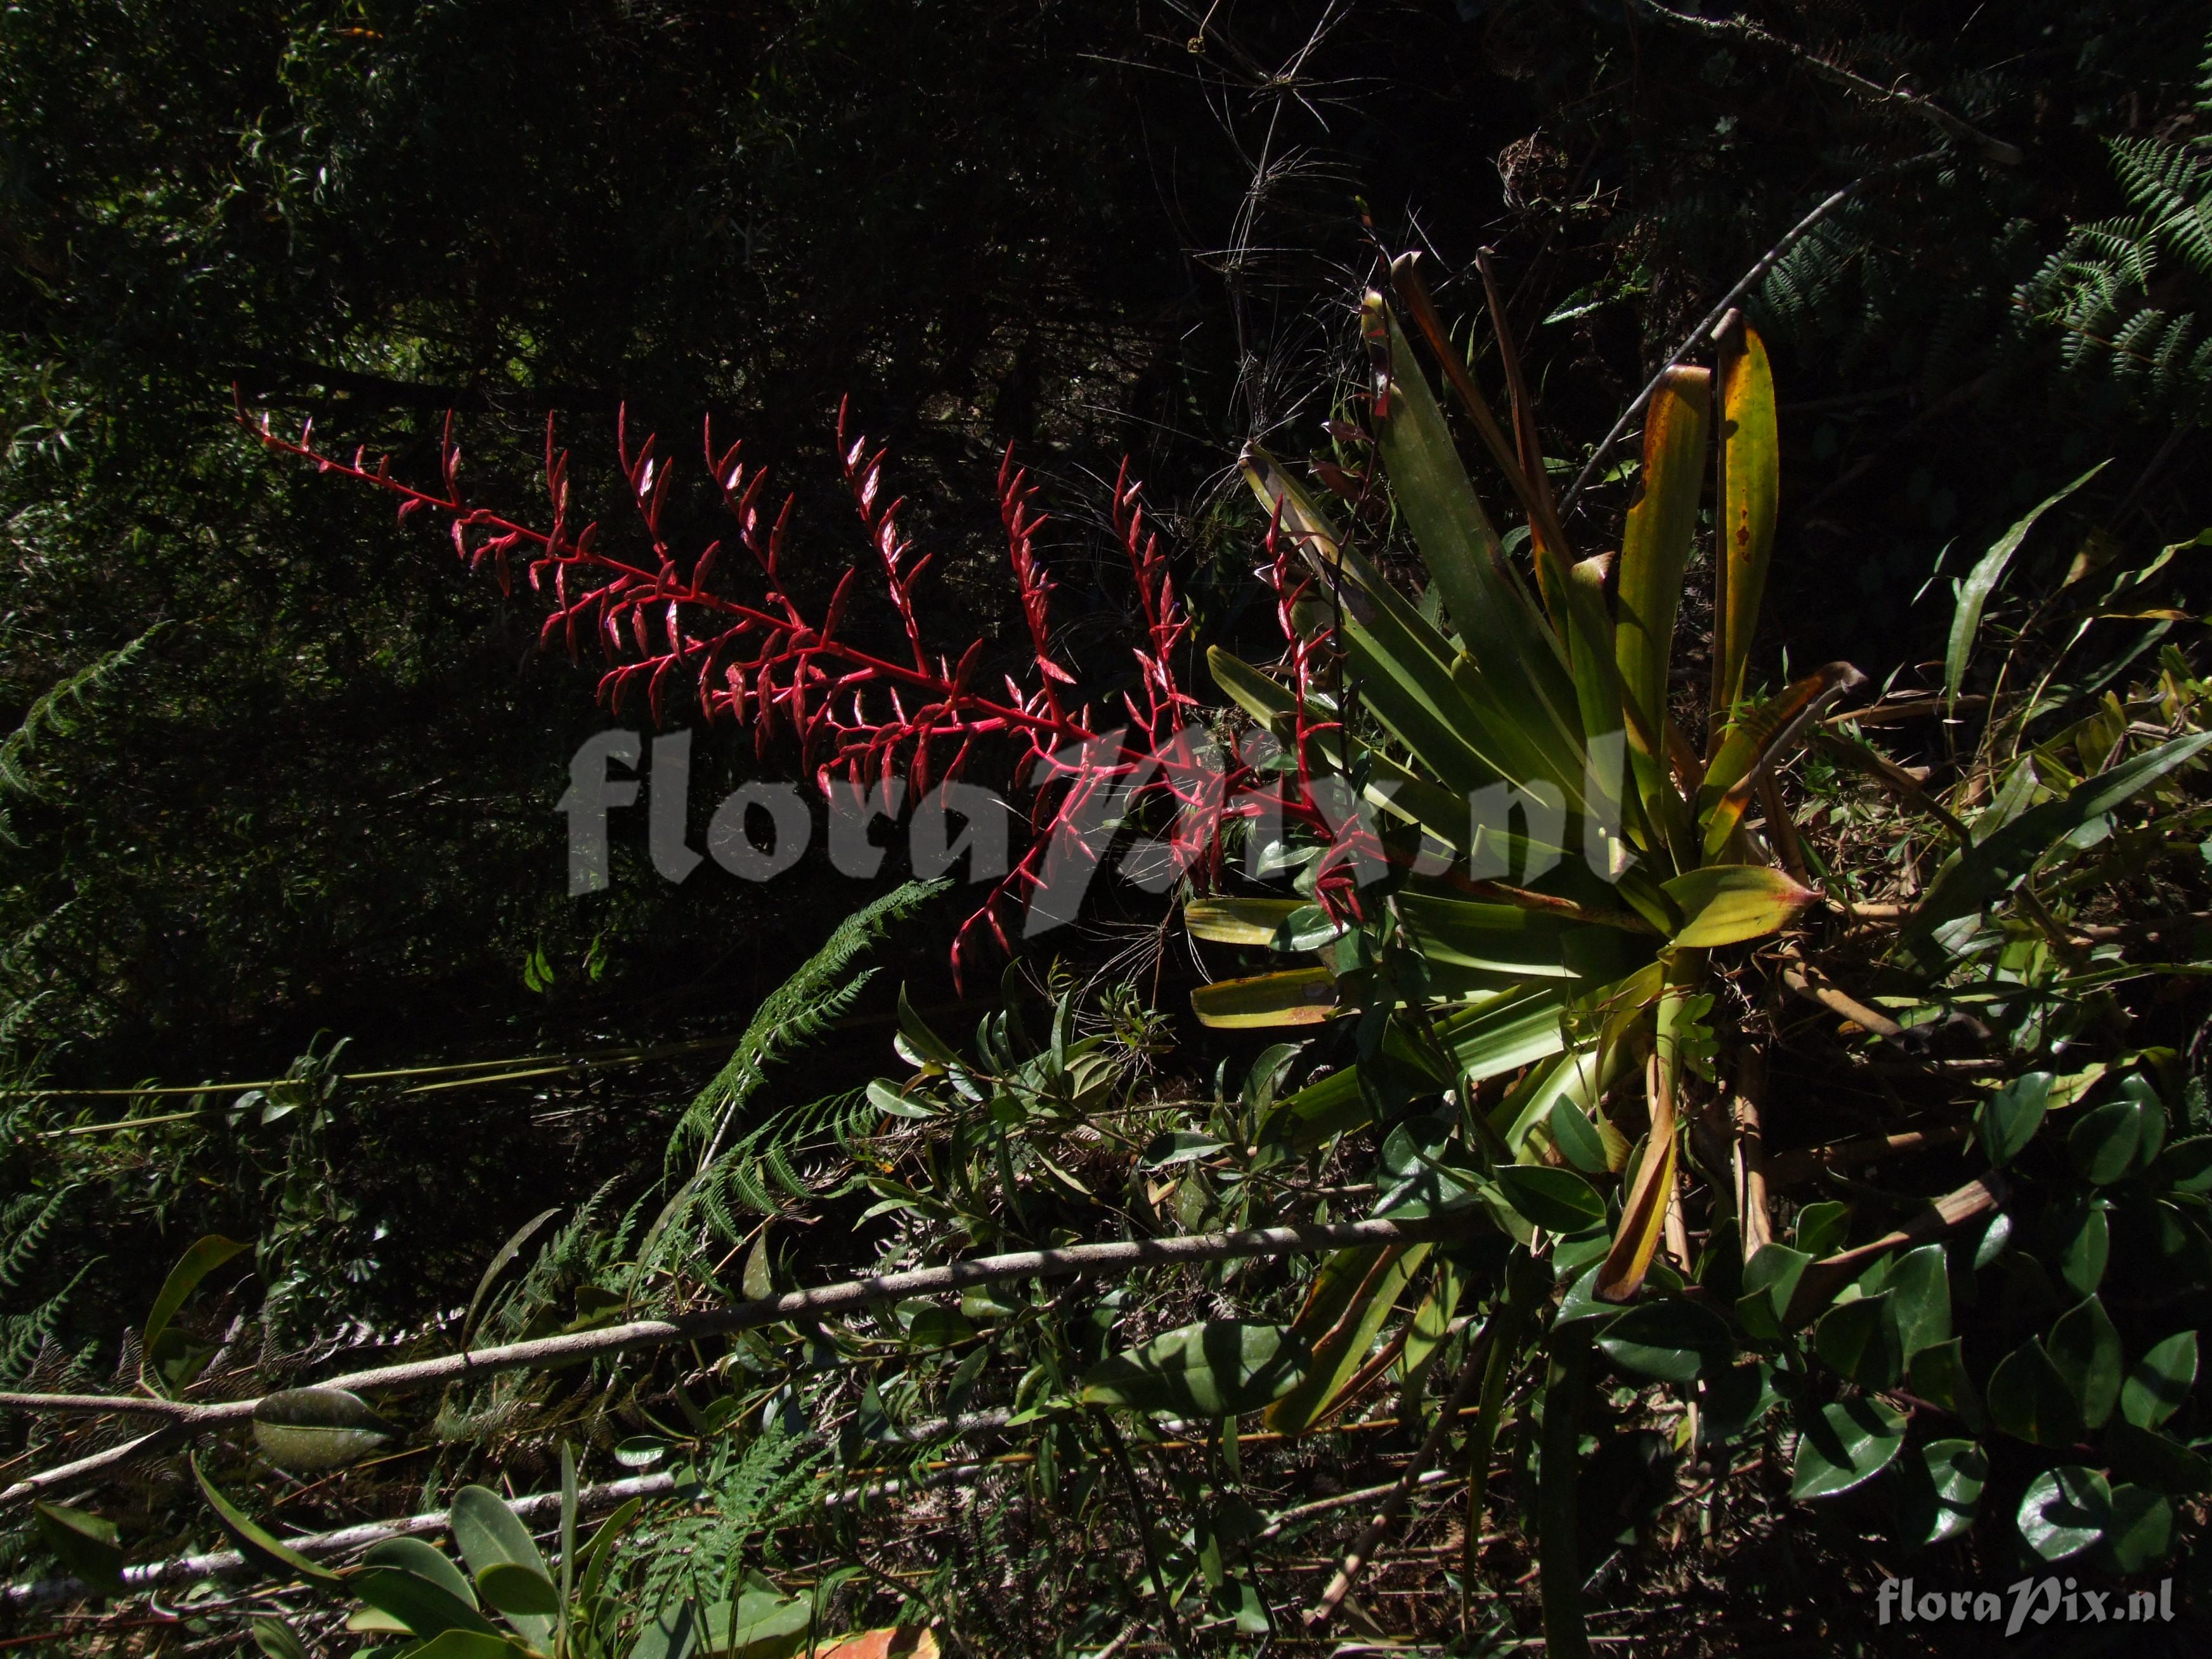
x,y
859,717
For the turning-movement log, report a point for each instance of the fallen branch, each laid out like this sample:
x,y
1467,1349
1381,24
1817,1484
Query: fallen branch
x,y
854,1293
541,1507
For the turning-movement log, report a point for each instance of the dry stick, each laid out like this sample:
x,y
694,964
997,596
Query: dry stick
x,y
1299,1240
541,1507
1782,829
1799,978
1739,29
1355,1558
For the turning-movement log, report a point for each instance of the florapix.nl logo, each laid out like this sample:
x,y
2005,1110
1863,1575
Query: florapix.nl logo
x,y
1097,790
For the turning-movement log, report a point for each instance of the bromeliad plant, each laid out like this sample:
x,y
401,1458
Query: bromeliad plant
x,y
1562,856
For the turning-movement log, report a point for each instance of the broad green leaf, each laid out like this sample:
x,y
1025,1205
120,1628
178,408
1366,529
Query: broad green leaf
x,y
1769,1280
1843,1446
1979,874
2186,1165
2111,1142
83,1543
2084,1349
1240,920
1919,1291
1675,1340
1576,1136
200,1259
2151,1459
1297,996
1750,482
425,1607
2065,1511
1981,581
2140,1533
2084,1240
1822,1228
1859,1339
490,1534
1558,1200
1351,1298
424,1560
514,1588
260,1548
2158,1385
1940,1504
673,1632
2009,1119
765,1625
1939,1375
2029,1398
306,1429
1725,904
1218,1368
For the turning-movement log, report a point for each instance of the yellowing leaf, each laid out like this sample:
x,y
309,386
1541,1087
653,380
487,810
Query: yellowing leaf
x,y
1724,904
1239,920
1750,480
1300,996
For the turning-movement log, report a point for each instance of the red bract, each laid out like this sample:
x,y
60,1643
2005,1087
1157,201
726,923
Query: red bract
x,y
747,651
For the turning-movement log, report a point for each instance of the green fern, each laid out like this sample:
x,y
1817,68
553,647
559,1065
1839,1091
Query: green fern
x,y
2128,296
56,713
802,1007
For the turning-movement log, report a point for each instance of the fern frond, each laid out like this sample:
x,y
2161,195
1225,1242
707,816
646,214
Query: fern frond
x,y
52,714
802,1007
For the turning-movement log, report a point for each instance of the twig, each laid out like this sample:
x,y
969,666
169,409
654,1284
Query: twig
x,y
854,1293
1823,1278
1738,28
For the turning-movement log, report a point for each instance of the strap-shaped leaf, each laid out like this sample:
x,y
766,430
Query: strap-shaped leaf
x,y
1298,996
258,1547
1655,548
1981,581
1239,920
1750,482
1487,603
200,1259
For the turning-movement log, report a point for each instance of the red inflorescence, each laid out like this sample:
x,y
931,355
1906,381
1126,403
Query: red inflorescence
x,y
865,719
